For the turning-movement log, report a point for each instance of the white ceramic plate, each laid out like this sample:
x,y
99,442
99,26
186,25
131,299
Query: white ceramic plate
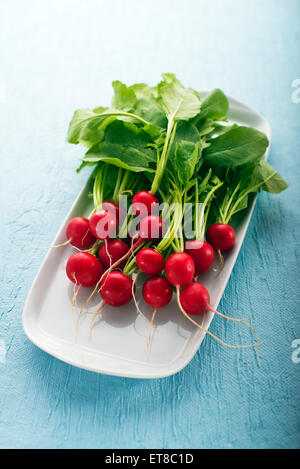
x,y
118,344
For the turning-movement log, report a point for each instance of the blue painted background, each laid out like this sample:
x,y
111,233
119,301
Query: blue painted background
x,y
61,55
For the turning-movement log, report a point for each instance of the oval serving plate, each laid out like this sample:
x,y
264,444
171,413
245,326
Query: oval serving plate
x,y
117,344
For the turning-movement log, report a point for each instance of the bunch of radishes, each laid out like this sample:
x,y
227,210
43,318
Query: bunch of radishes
x,y
101,259
177,158
86,268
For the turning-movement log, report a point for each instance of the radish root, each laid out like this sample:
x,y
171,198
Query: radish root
x,y
221,259
91,250
151,332
134,297
76,289
205,330
242,321
194,338
94,317
54,246
107,252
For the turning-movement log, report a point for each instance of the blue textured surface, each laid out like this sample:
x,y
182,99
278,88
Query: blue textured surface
x,y
62,55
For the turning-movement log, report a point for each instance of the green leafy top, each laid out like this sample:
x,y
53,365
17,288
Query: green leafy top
x,y
124,98
215,106
178,102
238,146
186,149
243,181
124,145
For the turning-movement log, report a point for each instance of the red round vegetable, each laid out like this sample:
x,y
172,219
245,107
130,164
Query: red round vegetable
x,y
150,261
180,269
151,228
144,203
103,224
195,299
79,233
119,262
157,292
112,251
202,254
83,269
221,236
116,288
116,209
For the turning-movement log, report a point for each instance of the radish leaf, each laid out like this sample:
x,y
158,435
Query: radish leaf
x,y
124,98
270,180
178,102
215,106
129,157
236,147
126,146
185,159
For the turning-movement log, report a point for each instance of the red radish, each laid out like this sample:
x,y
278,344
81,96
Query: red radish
x,y
150,261
157,292
180,269
221,236
116,209
150,224
84,269
79,233
116,289
144,203
103,224
112,251
194,299
151,228
202,254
